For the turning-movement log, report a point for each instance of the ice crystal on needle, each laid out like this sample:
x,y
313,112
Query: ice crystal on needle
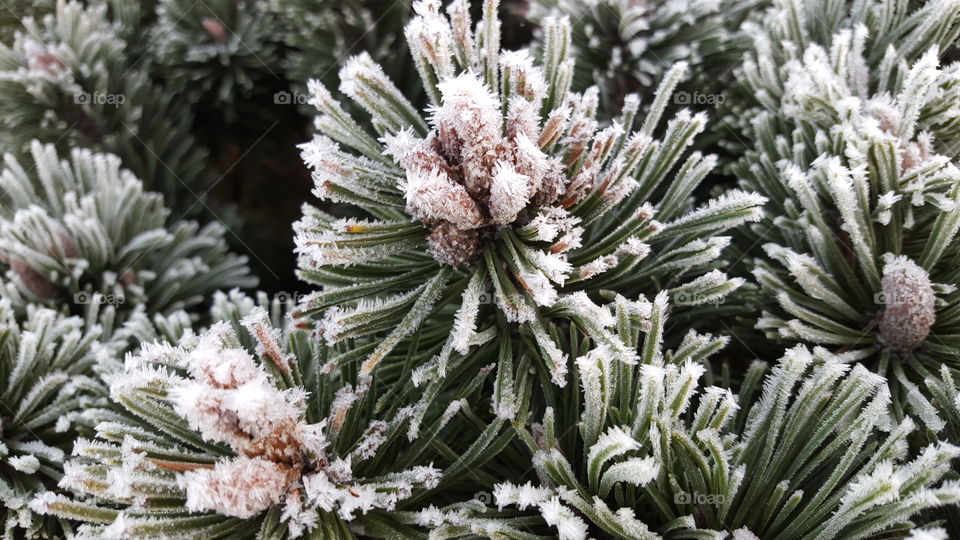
x,y
242,487
48,393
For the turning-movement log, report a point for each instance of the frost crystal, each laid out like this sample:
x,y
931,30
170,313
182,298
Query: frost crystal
x,y
522,497
242,487
568,525
234,401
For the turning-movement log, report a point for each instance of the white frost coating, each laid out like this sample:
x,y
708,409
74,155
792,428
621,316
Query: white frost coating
x,y
523,496
568,525
612,443
281,461
315,248
242,487
637,471
298,518
526,79
434,196
25,464
252,417
465,321
338,321
539,287
909,305
879,487
682,383
935,533
556,359
554,265
516,308
338,492
596,376
476,169
373,438
579,302
634,247
430,37
728,202
744,534
598,266
923,408
551,223
510,192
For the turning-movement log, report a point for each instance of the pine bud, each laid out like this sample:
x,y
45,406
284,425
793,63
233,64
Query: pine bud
x,y
242,487
453,246
216,29
909,300
34,281
40,60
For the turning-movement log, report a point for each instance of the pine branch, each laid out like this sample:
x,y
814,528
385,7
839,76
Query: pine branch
x,y
854,148
82,234
815,457
510,175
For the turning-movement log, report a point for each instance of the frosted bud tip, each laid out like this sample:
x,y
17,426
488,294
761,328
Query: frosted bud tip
x,y
909,300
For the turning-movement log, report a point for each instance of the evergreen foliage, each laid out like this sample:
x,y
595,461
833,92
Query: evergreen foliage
x,y
67,80
235,437
654,454
49,395
854,141
214,52
625,46
543,294
512,190
83,235
322,34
